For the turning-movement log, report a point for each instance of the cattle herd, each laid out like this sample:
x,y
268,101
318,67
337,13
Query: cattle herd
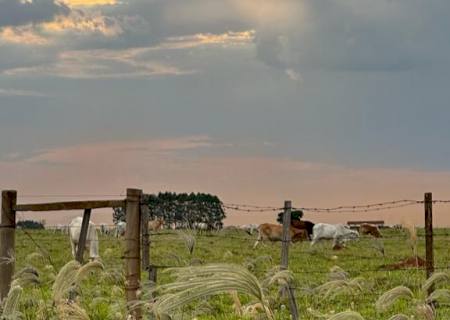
x,y
299,230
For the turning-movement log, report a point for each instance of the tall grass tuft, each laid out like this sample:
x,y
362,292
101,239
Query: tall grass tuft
x,y
436,278
412,232
346,315
192,283
11,303
72,311
189,240
333,288
388,298
70,276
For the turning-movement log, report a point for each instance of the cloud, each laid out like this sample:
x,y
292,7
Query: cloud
x,y
146,148
225,39
17,12
84,23
352,35
100,64
22,35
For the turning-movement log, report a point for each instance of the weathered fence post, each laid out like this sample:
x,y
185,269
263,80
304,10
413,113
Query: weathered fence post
x,y
83,235
145,233
132,249
429,235
7,241
285,256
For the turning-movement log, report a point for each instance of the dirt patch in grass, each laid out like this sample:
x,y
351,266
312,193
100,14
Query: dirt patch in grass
x,y
411,262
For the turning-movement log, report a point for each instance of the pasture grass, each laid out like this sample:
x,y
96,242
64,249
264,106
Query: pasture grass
x,y
102,295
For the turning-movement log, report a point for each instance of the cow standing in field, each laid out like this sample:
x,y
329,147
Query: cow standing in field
x,y
121,226
91,237
156,224
339,233
303,224
370,229
274,232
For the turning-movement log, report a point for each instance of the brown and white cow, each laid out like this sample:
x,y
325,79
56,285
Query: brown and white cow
x,y
274,232
370,229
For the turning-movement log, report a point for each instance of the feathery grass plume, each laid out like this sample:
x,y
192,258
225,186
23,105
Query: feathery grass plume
x,y
388,298
436,278
113,276
425,312
412,232
36,258
9,259
439,295
11,303
87,269
399,316
192,283
65,280
26,276
346,315
278,277
189,240
71,311
337,273
336,287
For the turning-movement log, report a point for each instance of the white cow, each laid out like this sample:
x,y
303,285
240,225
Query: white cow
x,y
339,233
249,228
120,229
91,237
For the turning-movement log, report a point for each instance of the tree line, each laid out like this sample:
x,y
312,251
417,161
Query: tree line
x,y
182,210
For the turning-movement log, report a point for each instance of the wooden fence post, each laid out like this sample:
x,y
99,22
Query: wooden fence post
x,y
132,249
285,256
429,235
145,234
7,241
83,235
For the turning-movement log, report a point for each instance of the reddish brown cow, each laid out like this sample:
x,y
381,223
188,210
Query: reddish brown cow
x,y
274,232
303,224
370,229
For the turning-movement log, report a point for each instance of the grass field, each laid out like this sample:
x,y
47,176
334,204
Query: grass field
x,y
102,294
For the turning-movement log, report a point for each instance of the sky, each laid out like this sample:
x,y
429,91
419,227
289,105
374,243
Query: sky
x,y
322,102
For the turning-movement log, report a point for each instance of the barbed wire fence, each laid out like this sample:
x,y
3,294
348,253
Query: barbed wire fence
x,y
255,209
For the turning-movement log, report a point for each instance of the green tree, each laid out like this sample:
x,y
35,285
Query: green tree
x,y
183,209
30,224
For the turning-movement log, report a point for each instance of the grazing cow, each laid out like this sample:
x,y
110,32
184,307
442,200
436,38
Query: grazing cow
x,y
339,233
156,224
91,237
249,228
121,226
200,226
304,224
274,232
370,229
